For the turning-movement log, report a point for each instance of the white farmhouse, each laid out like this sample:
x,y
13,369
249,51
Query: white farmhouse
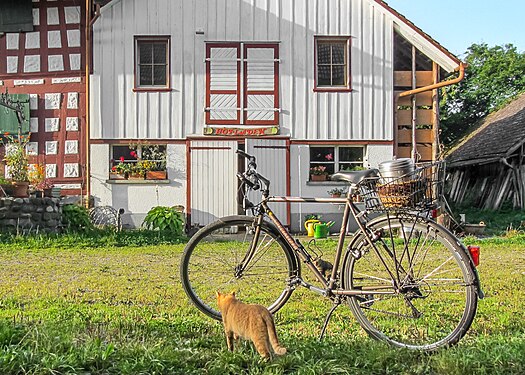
x,y
301,84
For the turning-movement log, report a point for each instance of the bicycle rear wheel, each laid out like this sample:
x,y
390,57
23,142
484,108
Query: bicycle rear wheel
x,y
213,259
429,276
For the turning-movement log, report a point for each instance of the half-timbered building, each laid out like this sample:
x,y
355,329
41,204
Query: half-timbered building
x,y
42,67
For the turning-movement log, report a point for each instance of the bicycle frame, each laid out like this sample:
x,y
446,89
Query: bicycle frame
x,y
329,287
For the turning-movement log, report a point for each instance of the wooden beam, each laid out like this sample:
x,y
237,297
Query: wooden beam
x,y
423,117
422,136
424,98
424,151
404,78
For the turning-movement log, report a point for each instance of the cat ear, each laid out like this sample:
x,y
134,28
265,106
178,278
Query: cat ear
x,y
217,293
233,293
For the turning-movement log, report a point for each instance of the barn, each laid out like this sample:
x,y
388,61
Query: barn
x,y
487,169
176,87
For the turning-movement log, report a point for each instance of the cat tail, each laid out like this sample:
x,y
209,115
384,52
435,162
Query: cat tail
x,y
272,335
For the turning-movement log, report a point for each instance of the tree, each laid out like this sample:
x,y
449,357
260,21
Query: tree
x,y
493,76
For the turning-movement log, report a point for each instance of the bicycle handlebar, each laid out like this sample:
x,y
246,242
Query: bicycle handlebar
x,y
251,177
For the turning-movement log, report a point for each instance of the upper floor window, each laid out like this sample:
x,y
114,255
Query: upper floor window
x,y
152,65
332,64
242,83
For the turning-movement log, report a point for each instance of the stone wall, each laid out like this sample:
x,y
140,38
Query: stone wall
x,y
30,215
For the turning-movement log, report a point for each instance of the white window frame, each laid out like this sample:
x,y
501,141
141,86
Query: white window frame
x,y
335,155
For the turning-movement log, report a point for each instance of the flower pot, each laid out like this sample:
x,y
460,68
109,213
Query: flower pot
x,y
136,176
117,176
156,175
336,195
48,192
318,177
21,189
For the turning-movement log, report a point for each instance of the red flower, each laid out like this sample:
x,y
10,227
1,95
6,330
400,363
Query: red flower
x,y
122,159
113,168
133,153
329,157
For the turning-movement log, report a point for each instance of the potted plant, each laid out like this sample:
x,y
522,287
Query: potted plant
x,y
46,187
318,173
156,155
120,171
336,192
36,175
17,162
137,171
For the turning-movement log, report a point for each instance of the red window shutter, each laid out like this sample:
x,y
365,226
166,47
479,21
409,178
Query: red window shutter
x,y
261,84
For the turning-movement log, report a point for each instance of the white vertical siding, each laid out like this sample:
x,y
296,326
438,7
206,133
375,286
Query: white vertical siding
x,y
271,163
363,114
213,180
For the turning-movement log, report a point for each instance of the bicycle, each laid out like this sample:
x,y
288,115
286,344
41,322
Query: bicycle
x,y
407,280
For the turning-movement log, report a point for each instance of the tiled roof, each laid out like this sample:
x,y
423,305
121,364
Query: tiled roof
x,y
498,135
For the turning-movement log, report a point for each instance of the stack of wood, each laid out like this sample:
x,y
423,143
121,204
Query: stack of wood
x,y
489,190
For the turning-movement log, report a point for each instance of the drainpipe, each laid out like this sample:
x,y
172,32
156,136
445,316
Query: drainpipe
x,y
89,26
438,85
434,86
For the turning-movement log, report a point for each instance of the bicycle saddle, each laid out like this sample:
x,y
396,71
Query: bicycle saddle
x,y
354,177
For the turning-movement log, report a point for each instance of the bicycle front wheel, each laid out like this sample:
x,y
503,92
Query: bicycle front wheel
x,y
216,259
425,286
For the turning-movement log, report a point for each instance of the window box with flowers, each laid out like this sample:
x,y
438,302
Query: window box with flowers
x,y
138,162
318,173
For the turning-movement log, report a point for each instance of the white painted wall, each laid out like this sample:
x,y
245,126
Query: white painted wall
x,y
366,113
138,199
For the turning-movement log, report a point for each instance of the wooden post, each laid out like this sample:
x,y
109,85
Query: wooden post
x,y
414,107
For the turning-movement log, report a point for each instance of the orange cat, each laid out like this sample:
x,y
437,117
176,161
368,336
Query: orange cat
x,y
253,322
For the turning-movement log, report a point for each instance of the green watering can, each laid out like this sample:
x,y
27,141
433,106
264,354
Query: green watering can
x,y
322,230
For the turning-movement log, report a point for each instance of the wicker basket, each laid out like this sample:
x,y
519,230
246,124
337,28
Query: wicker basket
x,y
417,190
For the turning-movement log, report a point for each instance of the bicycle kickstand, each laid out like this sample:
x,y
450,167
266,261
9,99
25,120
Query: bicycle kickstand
x,y
337,302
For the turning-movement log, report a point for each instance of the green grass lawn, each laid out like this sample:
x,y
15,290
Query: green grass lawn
x,y
72,307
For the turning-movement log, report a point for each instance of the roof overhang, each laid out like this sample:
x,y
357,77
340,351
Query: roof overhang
x,y
422,41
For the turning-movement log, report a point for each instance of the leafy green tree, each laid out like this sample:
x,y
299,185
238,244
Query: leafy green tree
x,y
493,76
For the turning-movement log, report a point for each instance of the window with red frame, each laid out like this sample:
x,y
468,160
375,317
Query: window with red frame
x,y
242,83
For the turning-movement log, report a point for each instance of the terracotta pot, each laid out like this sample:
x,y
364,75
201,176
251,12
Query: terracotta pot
x,y
136,176
318,177
21,189
156,175
117,176
336,195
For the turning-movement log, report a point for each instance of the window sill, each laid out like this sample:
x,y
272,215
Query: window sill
x,y
137,182
152,89
326,183
334,89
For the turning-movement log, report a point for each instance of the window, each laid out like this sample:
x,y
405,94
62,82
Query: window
x,y
242,83
138,159
332,68
152,63
331,159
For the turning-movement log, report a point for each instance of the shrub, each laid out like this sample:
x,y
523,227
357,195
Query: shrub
x,y
164,219
76,218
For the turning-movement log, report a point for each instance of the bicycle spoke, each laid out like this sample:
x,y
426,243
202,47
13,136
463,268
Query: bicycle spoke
x,y
218,257
432,301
